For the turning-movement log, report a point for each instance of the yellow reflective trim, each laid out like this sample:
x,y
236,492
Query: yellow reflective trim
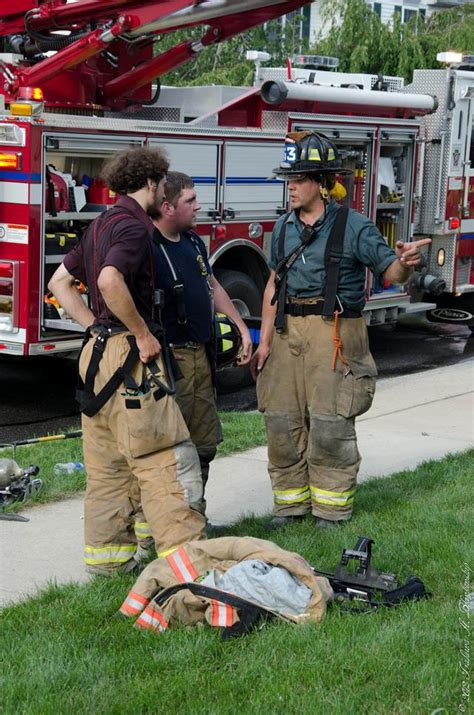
x,y
331,502
291,496
325,492
299,490
142,528
167,552
107,560
117,548
227,345
314,155
224,328
295,500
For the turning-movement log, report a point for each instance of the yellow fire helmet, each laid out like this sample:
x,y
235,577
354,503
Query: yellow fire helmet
x,y
228,341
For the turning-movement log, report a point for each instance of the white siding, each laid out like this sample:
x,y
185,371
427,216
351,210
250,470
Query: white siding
x,y
319,29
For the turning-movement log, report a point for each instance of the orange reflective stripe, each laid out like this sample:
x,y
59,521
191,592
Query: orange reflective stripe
x,y
133,604
152,619
182,566
221,614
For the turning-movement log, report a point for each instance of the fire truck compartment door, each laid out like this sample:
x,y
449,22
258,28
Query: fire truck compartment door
x,y
89,145
250,189
199,159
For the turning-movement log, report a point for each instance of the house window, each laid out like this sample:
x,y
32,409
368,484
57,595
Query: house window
x,y
398,8
378,8
305,31
408,14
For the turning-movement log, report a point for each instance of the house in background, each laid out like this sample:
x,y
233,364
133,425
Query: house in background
x,y
314,25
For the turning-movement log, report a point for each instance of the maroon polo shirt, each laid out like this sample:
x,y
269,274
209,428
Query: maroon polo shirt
x,y
119,237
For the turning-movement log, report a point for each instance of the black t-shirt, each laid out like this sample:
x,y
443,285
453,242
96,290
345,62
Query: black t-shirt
x,y
189,260
122,238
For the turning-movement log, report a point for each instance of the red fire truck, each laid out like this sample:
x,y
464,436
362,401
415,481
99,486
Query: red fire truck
x,y
63,115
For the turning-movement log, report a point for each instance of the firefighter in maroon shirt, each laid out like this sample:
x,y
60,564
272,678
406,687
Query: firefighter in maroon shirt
x,y
132,427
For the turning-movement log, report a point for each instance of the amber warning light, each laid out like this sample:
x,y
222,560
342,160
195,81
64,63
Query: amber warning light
x,y
10,160
29,102
31,93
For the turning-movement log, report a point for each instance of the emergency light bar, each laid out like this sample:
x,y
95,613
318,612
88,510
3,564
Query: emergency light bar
x,y
456,58
316,61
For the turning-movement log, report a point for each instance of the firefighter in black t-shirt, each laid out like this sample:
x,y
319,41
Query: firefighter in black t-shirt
x,y
192,293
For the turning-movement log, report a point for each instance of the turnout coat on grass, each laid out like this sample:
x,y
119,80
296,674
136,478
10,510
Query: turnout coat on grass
x,y
192,561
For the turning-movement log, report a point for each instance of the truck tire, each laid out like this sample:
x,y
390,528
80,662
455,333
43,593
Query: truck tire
x,y
243,292
247,299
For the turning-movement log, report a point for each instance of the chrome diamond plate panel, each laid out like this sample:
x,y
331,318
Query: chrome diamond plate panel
x,y
446,272
432,206
275,122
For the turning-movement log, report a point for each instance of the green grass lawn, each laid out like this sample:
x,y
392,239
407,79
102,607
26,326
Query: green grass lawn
x,y
241,430
68,650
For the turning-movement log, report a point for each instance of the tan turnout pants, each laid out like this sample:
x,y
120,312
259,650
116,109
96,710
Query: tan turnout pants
x,y
310,411
145,442
195,395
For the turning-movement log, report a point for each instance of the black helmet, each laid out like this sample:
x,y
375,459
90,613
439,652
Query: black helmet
x,y
228,340
310,153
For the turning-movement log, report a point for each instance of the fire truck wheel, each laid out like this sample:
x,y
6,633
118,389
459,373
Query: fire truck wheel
x,y
242,291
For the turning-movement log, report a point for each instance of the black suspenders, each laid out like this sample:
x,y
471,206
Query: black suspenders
x,y
178,287
332,261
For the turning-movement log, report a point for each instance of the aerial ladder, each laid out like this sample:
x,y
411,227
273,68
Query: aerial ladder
x,y
94,54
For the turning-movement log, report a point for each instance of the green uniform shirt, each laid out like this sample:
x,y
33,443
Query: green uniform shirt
x,y
364,246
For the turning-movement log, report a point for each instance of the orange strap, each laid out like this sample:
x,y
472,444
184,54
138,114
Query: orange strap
x,y
337,343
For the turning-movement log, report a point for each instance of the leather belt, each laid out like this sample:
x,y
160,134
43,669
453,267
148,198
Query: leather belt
x,y
185,346
301,310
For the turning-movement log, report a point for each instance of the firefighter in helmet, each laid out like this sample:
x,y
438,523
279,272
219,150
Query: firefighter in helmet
x,y
313,367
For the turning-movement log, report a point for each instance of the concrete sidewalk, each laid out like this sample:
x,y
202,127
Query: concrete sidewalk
x,y
414,418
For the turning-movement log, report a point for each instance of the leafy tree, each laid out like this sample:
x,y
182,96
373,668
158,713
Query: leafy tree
x,y
225,63
364,44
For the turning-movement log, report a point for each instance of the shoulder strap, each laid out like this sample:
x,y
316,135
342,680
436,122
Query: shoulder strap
x,y
332,261
281,239
178,287
250,613
284,264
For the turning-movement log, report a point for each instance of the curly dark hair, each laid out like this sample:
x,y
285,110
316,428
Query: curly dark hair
x,y
128,171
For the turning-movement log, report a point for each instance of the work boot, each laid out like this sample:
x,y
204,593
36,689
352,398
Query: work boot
x,y
278,522
145,551
130,567
326,523
214,530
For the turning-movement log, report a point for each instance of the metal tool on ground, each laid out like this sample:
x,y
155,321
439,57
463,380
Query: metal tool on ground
x,y
38,440
360,587
16,484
